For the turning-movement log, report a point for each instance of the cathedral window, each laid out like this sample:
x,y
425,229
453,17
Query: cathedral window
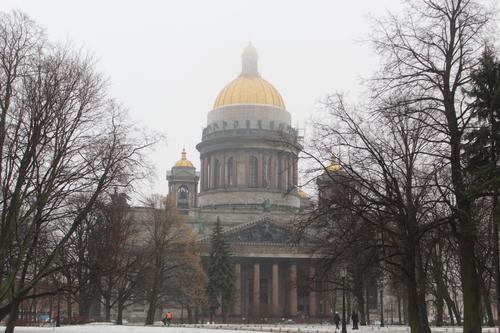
x,y
183,197
286,175
209,173
229,172
252,171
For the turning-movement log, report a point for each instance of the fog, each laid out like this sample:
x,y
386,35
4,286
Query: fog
x,y
167,60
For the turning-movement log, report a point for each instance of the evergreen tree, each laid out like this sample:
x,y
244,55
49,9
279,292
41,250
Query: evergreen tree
x,y
483,148
220,288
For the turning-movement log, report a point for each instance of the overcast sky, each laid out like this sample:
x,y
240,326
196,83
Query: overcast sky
x,y
168,60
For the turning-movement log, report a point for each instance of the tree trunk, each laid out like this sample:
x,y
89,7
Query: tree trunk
x,y
417,309
348,307
416,322
222,310
439,310
107,310
69,308
399,308
84,307
496,260
358,294
452,307
471,290
367,306
451,314
11,321
487,305
470,286
119,316
153,298
150,316
405,309
190,314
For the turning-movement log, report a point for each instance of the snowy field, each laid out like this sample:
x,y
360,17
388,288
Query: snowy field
x,y
108,328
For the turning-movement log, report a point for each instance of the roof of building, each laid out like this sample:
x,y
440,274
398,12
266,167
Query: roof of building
x,y
184,162
249,87
301,193
334,165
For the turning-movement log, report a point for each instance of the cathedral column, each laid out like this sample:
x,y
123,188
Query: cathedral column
x,y
195,195
327,305
212,172
223,171
275,290
261,167
293,290
256,289
295,172
237,290
273,169
203,173
312,294
235,170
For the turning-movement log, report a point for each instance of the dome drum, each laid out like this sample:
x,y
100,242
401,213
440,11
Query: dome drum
x,y
249,112
250,139
248,198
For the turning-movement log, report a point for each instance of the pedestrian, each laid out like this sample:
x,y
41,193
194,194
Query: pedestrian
x,y
336,320
168,318
355,320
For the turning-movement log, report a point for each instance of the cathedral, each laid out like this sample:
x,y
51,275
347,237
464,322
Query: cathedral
x,y
248,180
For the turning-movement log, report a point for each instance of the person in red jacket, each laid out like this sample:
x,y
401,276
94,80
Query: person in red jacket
x,y
168,318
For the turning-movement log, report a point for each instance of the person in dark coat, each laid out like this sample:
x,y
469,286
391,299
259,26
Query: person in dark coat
x,y
336,320
355,320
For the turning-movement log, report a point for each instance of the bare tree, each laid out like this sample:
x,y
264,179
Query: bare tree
x,y
385,184
171,253
60,137
118,259
429,53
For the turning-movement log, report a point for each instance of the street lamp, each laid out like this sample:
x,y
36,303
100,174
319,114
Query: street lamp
x,y
343,273
381,306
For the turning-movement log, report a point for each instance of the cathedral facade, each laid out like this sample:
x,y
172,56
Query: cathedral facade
x,y
248,181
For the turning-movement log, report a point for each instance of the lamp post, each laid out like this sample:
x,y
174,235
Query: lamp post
x,y
381,307
343,274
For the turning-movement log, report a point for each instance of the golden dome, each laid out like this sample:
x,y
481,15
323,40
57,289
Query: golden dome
x,y
249,90
249,87
184,162
302,194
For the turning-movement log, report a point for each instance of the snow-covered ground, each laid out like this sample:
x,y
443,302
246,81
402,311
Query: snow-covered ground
x,y
108,328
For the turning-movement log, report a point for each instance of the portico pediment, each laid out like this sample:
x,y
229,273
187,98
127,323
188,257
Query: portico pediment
x,y
265,231
264,238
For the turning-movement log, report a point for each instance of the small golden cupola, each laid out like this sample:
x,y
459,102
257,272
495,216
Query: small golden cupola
x,y
183,162
301,193
334,165
249,87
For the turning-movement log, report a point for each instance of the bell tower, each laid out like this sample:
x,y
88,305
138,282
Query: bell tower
x,y
183,184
